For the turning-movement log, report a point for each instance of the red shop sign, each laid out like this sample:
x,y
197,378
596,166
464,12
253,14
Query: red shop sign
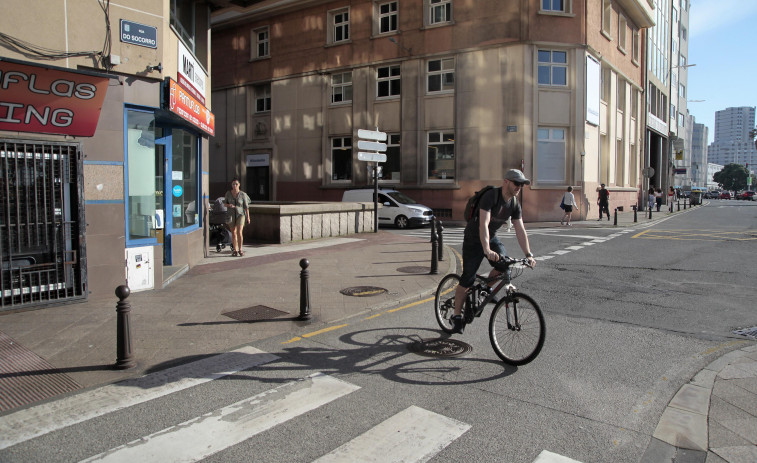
x,y
180,102
45,100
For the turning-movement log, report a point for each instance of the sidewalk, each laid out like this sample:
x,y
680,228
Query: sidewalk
x,y
58,350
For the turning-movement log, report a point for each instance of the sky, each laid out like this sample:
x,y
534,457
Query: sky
x,y
723,45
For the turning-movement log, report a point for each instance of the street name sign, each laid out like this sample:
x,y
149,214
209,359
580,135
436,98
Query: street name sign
x,y
371,145
373,157
371,135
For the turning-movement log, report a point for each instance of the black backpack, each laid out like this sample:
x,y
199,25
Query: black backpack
x,y
471,207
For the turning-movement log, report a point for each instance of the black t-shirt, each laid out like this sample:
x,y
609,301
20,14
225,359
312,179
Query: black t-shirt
x,y
500,211
604,195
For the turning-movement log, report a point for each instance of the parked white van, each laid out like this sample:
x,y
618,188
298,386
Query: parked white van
x,y
397,208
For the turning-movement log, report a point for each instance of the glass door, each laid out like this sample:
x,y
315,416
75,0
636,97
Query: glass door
x,y
162,200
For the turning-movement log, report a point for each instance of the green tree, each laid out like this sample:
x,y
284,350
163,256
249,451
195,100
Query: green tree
x,y
732,177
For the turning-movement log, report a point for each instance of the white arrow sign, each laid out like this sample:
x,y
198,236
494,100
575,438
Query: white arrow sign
x,y
371,145
371,135
374,157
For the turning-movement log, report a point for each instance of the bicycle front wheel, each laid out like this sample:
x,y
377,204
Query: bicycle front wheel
x,y
444,302
517,329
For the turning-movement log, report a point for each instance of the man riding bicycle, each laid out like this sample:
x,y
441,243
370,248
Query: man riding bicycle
x,y
480,240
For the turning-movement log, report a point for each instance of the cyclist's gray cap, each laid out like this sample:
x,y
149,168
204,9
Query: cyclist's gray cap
x,y
517,176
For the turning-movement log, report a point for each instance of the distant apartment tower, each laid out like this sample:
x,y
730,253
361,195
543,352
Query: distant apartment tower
x,y
465,91
732,143
699,154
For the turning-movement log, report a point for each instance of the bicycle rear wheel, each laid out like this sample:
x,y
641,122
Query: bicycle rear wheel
x,y
444,302
517,329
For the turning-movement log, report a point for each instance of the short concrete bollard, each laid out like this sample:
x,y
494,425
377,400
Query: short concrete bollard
x,y
440,247
304,291
124,351
434,252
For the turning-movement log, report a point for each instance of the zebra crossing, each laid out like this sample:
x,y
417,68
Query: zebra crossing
x,y
414,434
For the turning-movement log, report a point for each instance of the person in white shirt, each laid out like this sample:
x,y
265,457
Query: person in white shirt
x,y
569,202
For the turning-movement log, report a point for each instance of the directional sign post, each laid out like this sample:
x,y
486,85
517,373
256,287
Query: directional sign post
x,y
375,151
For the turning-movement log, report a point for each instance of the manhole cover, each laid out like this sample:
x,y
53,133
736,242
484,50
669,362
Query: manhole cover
x,y
363,291
255,313
748,332
414,269
440,347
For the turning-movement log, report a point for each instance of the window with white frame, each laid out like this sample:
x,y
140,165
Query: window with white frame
x,y
388,81
621,90
341,87
622,26
339,25
341,158
439,11
682,90
261,39
555,6
391,168
440,75
550,161
684,33
553,68
607,18
388,17
262,98
682,61
681,120
635,46
441,155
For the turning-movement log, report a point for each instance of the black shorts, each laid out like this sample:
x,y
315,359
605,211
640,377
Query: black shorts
x,y
568,208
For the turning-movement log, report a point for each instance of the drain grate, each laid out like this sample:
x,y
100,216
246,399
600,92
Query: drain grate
x,y
414,269
363,291
748,332
255,313
440,347
26,378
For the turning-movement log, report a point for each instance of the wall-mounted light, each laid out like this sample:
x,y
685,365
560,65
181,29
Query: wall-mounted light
x,y
158,67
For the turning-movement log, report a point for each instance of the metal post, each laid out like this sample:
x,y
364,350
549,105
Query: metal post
x,y
615,217
434,252
635,211
439,230
375,198
679,204
433,227
304,291
650,213
684,204
124,352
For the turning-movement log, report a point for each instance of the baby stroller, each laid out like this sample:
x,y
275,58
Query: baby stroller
x,y
220,235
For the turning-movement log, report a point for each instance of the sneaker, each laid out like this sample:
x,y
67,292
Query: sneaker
x,y
562,222
458,325
570,225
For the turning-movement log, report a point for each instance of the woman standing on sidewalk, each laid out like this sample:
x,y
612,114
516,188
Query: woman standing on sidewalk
x,y
569,202
671,197
238,204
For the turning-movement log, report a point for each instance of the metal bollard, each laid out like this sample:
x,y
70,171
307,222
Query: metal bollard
x,y
615,217
434,252
440,247
433,228
684,204
304,291
679,204
124,352
635,218
650,213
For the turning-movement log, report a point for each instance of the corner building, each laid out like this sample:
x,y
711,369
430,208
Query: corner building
x,y
465,91
104,129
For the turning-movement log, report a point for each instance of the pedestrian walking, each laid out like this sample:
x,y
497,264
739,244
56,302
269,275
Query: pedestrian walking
x,y
568,202
650,198
658,198
238,208
603,200
671,197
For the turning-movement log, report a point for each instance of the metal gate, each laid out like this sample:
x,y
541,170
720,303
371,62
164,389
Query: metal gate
x,y
43,257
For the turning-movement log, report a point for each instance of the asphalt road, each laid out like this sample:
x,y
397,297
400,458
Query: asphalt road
x,y
631,316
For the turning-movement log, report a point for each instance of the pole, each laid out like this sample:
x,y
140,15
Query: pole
x,y
304,291
439,230
375,197
434,252
124,353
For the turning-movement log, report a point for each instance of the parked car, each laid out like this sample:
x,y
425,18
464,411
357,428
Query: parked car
x,y
711,195
397,208
725,195
746,195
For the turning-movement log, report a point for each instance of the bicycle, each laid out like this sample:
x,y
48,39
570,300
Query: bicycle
x,y
516,326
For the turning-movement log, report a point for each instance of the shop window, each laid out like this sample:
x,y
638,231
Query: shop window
x,y
145,177
184,188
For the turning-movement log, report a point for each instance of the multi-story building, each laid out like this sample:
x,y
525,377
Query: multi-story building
x,y
699,163
732,143
680,120
465,91
104,127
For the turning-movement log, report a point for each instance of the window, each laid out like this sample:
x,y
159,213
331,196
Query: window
x,y
682,61
341,158
262,98
682,91
550,160
387,15
391,168
439,11
684,33
635,46
441,75
339,25
261,41
145,175
621,103
191,22
607,18
553,68
388,81
184,179
441,155
554,5
681,120
622,25
341,87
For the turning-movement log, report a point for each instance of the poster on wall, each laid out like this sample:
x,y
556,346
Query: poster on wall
x,y
593,87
